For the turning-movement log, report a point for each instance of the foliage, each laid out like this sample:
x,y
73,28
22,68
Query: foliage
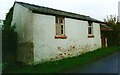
x,y
113,36
8,34
8,20
9,39
64,64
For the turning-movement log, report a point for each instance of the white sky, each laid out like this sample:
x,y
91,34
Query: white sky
x,y
98,9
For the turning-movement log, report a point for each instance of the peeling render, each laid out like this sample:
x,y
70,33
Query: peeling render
x,y
47,48
72,51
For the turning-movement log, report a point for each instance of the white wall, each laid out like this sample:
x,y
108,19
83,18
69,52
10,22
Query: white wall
x,y
46,47
36,37
22,18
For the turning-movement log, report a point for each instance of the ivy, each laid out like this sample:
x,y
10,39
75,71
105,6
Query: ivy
x,y
9,36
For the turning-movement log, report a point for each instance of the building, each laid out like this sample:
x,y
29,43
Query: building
x,y
46,34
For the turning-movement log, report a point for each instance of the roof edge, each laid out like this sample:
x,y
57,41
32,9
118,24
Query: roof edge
x,y
81,17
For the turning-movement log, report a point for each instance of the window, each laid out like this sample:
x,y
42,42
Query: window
x,y
90,29
60,27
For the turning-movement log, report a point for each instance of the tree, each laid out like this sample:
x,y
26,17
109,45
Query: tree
x,y
9,39
9,36
114,23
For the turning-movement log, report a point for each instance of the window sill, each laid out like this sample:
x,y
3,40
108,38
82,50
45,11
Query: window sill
x,y
60,36
90,36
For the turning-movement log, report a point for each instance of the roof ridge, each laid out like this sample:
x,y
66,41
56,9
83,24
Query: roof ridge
x,y
51,8
52,11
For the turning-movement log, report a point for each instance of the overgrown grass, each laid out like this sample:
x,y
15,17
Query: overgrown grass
x,y
62,65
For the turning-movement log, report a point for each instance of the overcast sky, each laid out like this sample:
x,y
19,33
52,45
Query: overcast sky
x,y
98,9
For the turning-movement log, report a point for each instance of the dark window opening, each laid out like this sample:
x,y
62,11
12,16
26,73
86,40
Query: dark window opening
x,y
61,29
89,30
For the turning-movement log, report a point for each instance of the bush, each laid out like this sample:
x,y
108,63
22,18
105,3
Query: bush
x,y
9,36
9,39
114,35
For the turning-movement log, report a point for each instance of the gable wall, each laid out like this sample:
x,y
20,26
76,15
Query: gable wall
x,y
46,47
22,19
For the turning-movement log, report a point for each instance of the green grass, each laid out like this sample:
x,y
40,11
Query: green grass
x,y
64,64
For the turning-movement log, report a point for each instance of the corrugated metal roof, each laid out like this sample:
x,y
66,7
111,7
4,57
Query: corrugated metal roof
x,y
51,11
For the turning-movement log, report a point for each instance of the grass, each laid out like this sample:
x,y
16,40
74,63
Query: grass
x,y
62,65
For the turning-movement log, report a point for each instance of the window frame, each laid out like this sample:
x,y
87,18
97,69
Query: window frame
x,y
60,27
90,26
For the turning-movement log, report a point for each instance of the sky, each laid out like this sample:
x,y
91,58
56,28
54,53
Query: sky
x,y
98,9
